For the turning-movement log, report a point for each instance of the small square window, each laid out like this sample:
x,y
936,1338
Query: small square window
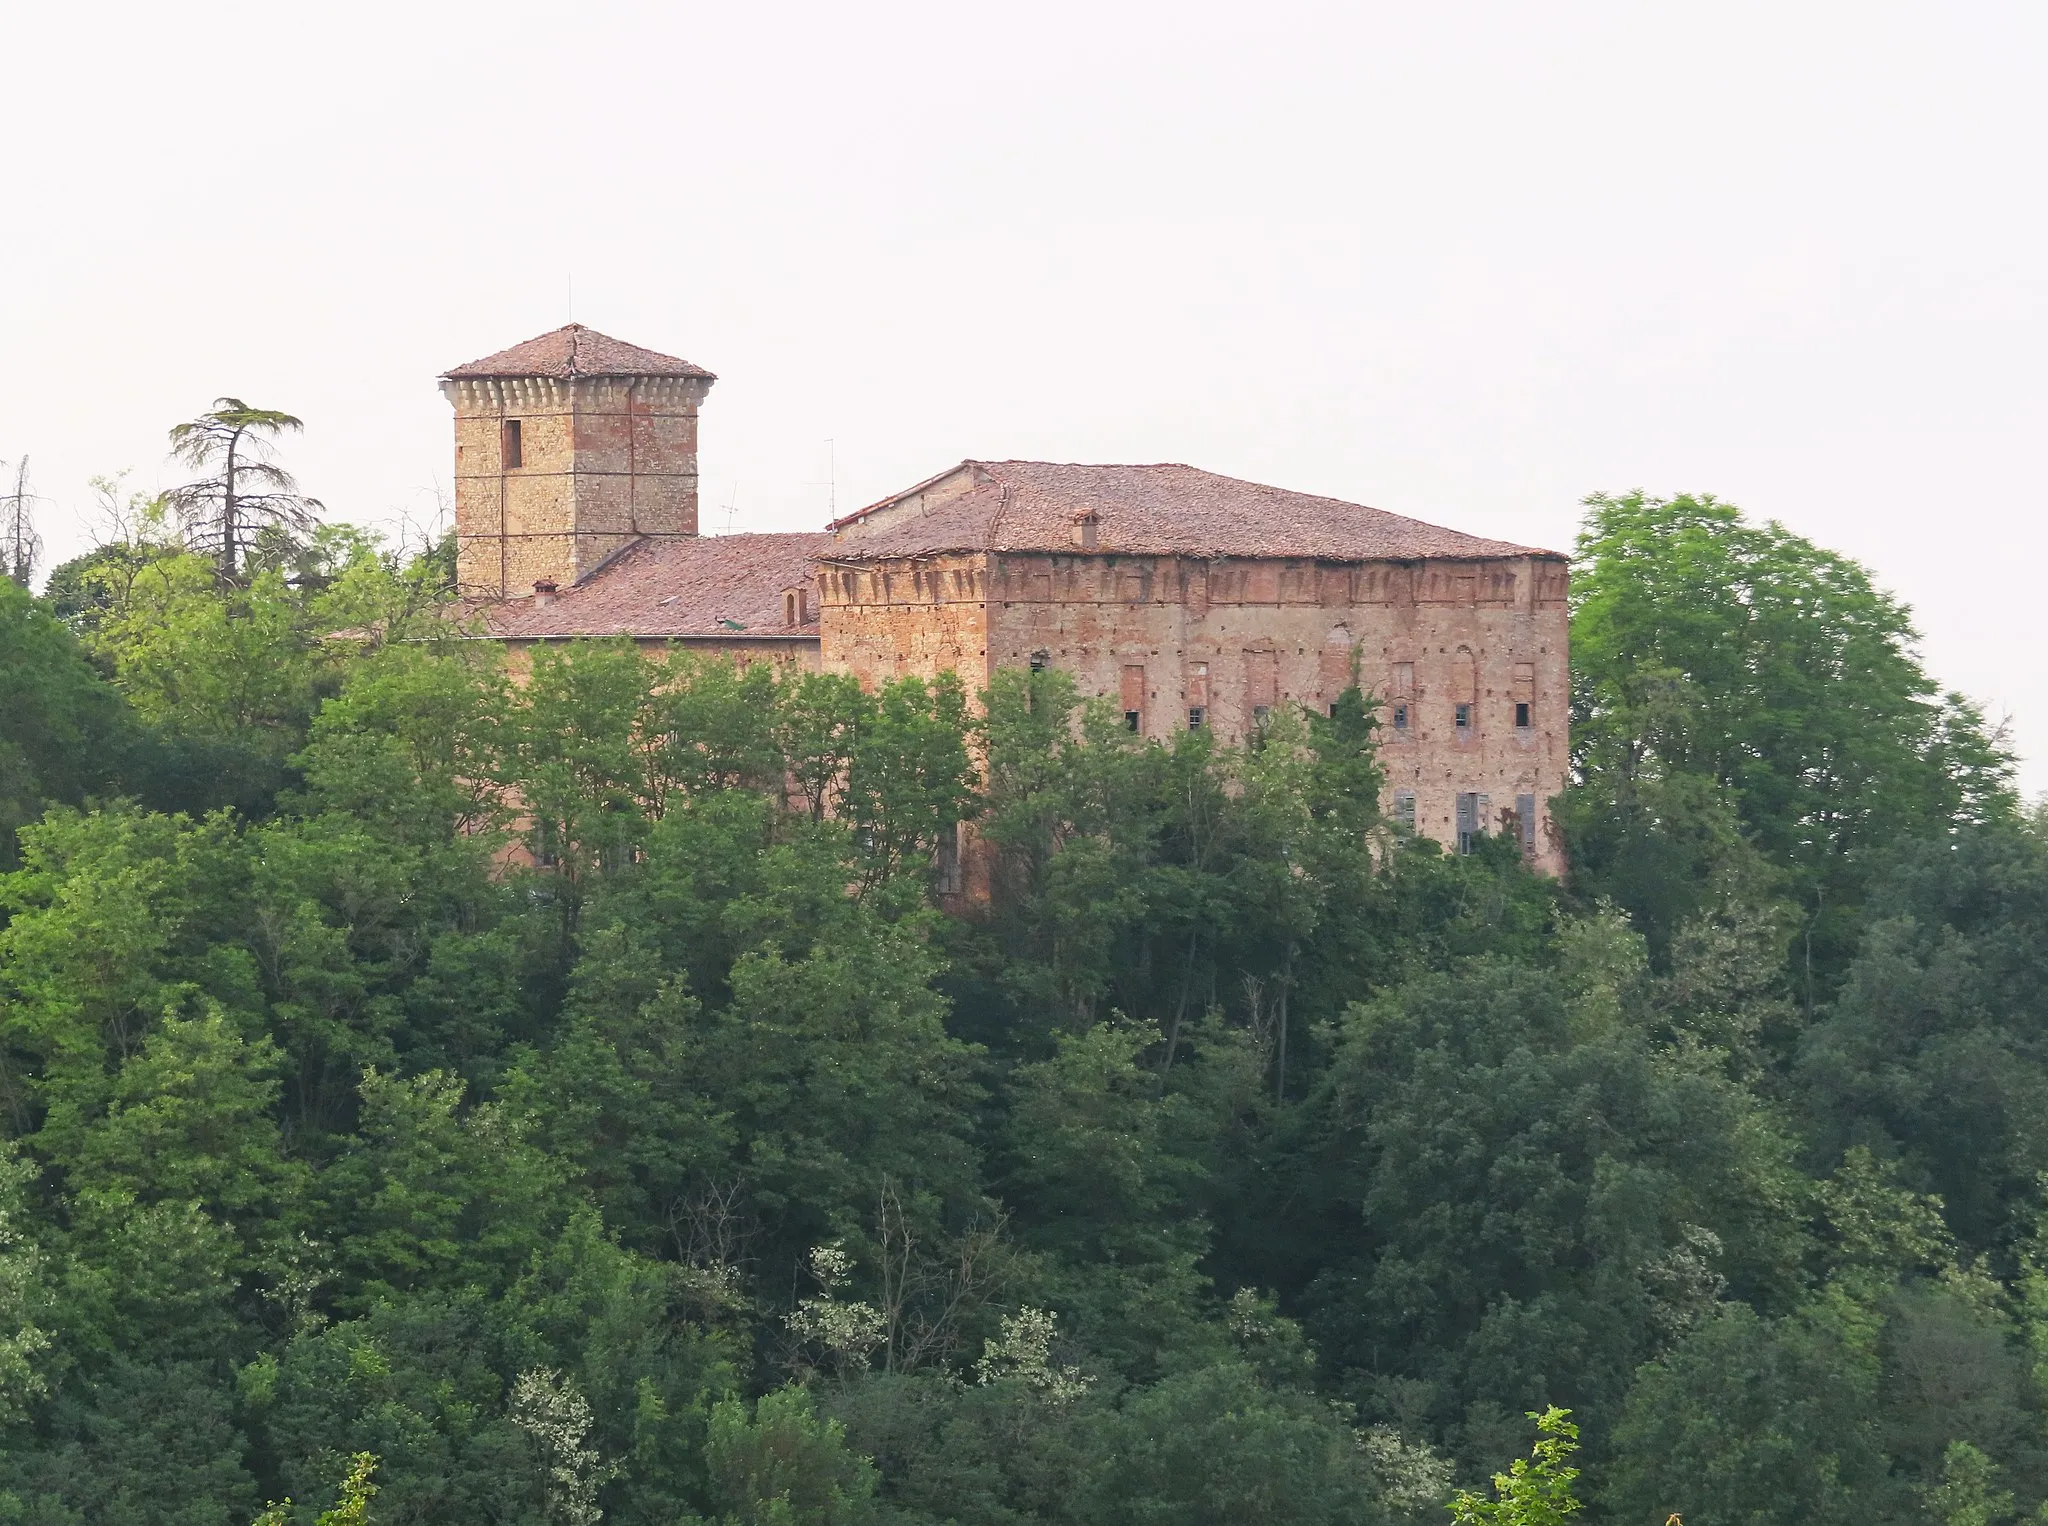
x,y
1196,716
1400,717
1130,720
1522,715
1464,715
514,453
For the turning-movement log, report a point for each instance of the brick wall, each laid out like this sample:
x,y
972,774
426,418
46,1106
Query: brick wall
x,y
1165,637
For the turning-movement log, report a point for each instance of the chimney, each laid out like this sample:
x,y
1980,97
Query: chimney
x,y
543,593
1087,529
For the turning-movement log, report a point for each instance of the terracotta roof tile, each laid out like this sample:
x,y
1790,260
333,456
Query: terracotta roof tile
x,y
1163,510
675,587
574,350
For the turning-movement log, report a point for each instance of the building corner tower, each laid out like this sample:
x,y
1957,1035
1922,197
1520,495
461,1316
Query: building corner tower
x,y
569,448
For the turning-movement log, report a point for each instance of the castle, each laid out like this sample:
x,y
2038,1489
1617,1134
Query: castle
x,y
1186,598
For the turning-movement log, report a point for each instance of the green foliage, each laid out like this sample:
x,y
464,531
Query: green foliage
x,y
1752,1419
1737,688
599,1091
1536,1490
64,733
782,1465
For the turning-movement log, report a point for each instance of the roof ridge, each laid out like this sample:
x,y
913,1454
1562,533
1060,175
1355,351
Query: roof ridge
x,y
577,350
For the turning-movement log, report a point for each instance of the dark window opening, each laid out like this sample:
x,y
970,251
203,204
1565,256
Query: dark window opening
x,y
1039,660
1400,717
1259,714
1471,820
1404,809
1525,822
514,455
950,877
1131,720
1464,713
1521,715
1195,717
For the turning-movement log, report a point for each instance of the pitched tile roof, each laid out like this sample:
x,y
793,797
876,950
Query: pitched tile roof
x,y
1162,510
574,350
677,586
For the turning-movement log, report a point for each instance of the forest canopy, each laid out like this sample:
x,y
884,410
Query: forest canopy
x,y
564,1095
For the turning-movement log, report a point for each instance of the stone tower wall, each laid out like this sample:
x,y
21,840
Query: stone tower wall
x,y
603,461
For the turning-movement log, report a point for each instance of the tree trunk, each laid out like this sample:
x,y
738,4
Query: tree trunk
x,y
227,511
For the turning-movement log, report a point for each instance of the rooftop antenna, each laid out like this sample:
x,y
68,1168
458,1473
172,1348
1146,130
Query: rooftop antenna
x,y
732,507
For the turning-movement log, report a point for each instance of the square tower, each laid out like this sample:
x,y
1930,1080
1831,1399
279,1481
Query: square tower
x,y
569,448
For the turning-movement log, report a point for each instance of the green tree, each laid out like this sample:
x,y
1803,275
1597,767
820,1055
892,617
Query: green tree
x,y
1536,1490
1755,1420
782,1465
1734,681
249,501
64,731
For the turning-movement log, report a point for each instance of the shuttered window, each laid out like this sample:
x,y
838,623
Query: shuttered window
x,y
1472,813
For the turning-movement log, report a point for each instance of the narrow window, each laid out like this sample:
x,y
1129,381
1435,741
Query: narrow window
x,y
1468,821
1261,681
1522,715
1525,822
514,456
1464,690
1404,809
949,875
1401,716
1133,695
789,610
1195,716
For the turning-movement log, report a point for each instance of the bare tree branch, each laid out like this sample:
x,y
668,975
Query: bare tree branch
x,y
20,547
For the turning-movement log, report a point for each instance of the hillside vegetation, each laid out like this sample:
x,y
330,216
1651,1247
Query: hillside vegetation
x,y
570,1094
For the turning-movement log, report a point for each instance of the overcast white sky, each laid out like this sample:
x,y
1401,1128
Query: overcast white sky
x,y
1467,262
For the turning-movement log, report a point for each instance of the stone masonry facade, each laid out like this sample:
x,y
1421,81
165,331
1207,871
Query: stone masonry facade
x,y
1183,598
